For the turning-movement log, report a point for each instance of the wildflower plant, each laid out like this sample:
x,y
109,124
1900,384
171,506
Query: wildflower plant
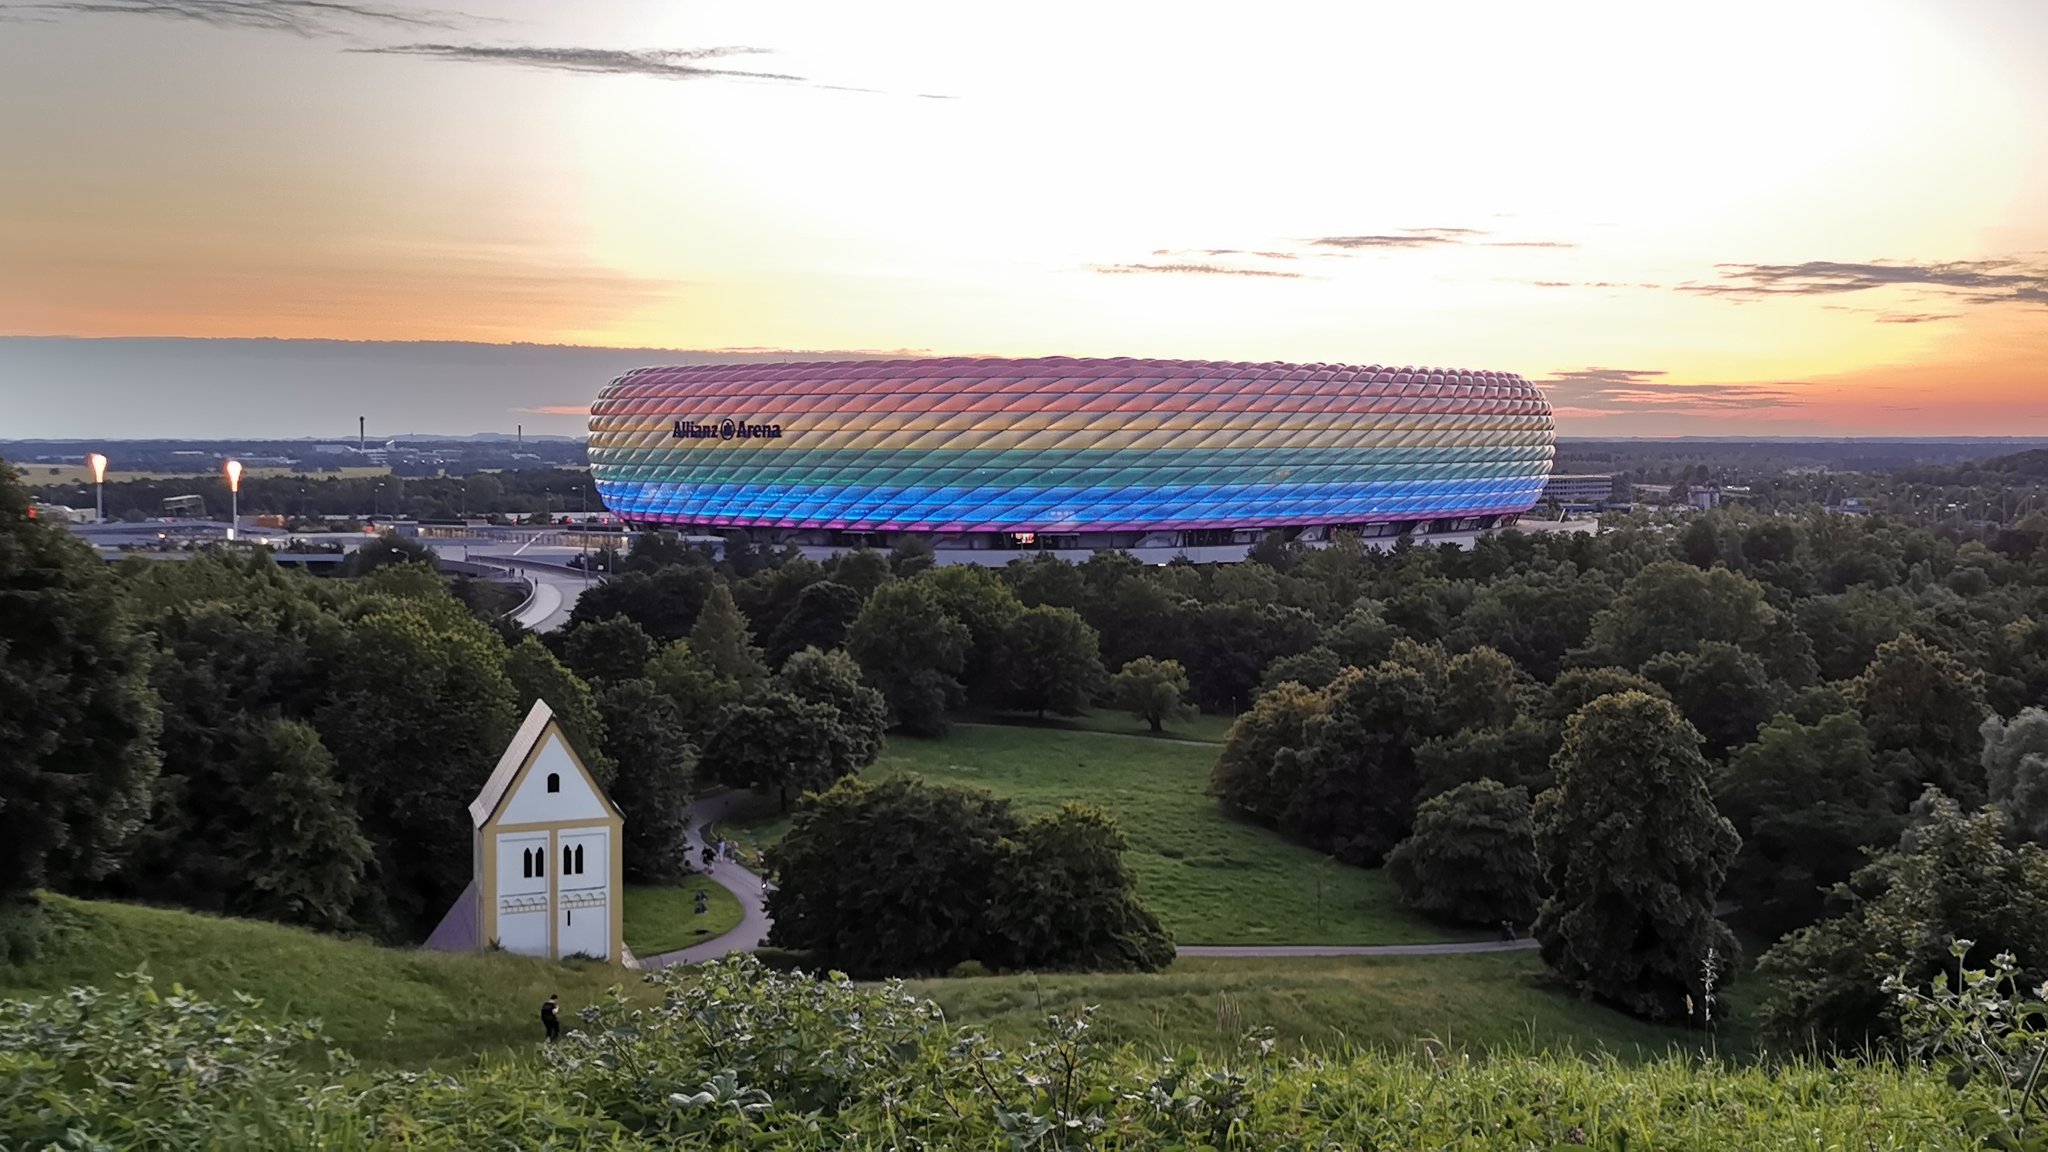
x,y
1992,1036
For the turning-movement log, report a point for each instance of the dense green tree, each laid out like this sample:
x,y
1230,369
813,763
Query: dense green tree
x,y
1363,638
862,570
1481,689
1534,617
1807,801
1673,607
1516,754
646,735
1472,856
607,651
663,601
721,643
295,849
1314,668
769,598
890,878
1051,662
700,698
2016,771
1577,687
833,679
979,599
389,548
1924,709
652,551
250,817
912,555
1634,855
1953,877
781,744
1721,690
1153,690
822,614
418,711
1226,648
1260,769
1134,614
1046,581
1847,629
1360,780
78,720
536,674
1061,897
913,650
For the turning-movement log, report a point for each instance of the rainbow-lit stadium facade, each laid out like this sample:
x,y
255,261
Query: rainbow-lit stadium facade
x,y
1067,453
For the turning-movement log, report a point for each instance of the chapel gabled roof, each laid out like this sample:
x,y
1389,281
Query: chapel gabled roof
x,y
529,736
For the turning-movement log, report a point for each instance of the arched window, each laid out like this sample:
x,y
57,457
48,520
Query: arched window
x,y
579,859
540,861
568,861
554,781
526,864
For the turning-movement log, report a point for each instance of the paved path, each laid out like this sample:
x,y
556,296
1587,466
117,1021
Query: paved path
x,y
752,931
1275,951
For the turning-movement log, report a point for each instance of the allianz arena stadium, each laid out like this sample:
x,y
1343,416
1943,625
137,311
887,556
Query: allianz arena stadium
x,y
1058,453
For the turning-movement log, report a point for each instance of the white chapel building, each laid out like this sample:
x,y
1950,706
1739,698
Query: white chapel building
x,y
546,856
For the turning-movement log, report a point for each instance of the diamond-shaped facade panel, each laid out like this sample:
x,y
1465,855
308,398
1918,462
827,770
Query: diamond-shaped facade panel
x,y
1065,445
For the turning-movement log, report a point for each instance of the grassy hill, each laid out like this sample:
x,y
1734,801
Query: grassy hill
x,y
392,1007
1211,879
404,1008
1479,1003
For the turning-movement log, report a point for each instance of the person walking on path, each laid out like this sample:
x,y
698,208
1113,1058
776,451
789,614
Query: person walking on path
x,y
551,1016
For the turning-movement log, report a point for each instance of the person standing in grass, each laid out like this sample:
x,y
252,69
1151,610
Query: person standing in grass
x,y
551,1016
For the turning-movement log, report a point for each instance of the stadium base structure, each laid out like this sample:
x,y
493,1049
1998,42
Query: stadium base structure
x,y
998,458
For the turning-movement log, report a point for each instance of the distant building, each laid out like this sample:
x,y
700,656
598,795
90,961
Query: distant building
x,y
60,513
988,460
1569,488
185,507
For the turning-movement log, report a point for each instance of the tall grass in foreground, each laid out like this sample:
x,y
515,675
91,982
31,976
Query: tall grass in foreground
x,y
739,1056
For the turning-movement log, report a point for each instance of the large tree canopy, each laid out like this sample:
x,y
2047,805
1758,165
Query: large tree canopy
x,y
78,721
1634,854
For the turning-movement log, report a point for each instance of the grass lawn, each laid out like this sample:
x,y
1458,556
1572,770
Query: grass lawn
x,y
663,919
1211,879
1204,727
1483,1002
392,1007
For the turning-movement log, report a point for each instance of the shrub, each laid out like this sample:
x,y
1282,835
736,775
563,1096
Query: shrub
x,y
1472,857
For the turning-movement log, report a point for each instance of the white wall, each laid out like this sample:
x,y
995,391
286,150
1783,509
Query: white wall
x,y
512,879
583,921
522,901
532,803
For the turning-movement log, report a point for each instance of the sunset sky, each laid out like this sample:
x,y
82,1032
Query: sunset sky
x,y
1787,217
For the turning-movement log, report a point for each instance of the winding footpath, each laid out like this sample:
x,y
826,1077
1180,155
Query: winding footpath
x,y
752,931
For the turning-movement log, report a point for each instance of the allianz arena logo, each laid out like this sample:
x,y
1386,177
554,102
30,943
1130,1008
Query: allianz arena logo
x,y
726,429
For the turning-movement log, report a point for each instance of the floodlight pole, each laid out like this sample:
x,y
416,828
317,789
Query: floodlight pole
x,y
99,487
234,471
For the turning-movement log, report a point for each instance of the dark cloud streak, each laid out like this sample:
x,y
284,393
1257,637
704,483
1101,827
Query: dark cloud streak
x,y
667,64
1621,391
308,18
1978,281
